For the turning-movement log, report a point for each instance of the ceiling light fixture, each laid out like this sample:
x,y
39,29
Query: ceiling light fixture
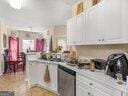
x,y
16,4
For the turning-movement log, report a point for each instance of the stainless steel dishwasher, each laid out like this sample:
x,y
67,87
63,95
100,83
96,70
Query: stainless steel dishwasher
x,y
66,81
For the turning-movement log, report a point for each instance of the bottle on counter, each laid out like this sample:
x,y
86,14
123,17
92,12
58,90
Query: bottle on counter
x,y
92,66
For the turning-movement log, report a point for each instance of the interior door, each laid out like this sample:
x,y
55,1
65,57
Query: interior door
x,y
113,21
93,34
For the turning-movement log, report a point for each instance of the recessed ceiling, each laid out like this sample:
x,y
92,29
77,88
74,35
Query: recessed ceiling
x,y
38,14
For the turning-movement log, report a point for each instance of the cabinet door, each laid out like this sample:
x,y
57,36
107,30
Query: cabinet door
x,y
117,93
79,35
100,93
93,34
69,32
52,85
125,19
112,29
33,69
83,90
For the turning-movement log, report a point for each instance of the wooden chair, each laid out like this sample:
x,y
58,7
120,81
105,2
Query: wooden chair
x,y
21,61
7,64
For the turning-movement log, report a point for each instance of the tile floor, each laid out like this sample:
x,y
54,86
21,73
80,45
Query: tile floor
x,y
16,83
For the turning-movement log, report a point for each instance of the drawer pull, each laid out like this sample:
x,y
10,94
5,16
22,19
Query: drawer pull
x,y
89,93
91,84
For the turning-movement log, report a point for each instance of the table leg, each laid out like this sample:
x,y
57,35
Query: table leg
x,y
14,68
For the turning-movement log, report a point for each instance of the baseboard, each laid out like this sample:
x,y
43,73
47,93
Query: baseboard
x,y
37,85
48,89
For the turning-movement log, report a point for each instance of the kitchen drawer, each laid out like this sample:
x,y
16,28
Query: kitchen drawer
x,y
94,84
83,89
85,80
103,88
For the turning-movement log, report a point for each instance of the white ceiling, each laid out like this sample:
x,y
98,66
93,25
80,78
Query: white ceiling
x,y
39,14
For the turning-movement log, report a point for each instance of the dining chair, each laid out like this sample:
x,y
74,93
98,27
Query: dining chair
x,y
7,63
21,61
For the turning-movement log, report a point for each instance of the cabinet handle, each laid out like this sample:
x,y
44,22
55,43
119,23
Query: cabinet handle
x,y
99,39
91,84
89,93
102,39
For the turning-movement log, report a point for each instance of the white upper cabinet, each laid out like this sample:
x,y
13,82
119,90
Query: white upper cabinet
x,y
112,21
92,33
75,30
104,23
80,29
69,32
125,20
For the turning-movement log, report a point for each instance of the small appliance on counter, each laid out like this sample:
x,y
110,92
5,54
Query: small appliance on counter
x,y
84,64
56,57
117,64
100,64
45,56
65,56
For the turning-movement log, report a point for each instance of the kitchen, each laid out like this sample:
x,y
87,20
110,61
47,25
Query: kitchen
x,y
96,31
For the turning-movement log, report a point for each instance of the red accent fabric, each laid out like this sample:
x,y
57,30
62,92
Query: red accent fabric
x,y
13,48
40,45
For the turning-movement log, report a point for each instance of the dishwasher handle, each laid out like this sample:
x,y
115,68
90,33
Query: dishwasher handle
x,y
67,70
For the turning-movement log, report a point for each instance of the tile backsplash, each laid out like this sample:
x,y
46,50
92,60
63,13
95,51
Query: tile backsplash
x,y
100,51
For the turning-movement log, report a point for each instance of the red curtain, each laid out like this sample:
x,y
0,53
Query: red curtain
x,y
40,45
13,48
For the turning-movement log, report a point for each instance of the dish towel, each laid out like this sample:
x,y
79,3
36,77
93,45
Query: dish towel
x,y
47,75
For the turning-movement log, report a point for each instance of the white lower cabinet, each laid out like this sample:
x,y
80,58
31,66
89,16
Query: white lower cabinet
x,y
98,92
52,85
83,90
89,87
33,68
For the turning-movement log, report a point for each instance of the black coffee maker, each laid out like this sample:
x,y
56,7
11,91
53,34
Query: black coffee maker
x,y
117,63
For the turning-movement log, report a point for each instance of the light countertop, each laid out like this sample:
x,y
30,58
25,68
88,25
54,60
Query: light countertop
x,y
99,75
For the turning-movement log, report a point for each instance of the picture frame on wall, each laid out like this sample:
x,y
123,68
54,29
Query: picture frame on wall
x,y
80,8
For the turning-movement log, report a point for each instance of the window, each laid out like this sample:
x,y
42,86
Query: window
x,y
27,44
62,42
